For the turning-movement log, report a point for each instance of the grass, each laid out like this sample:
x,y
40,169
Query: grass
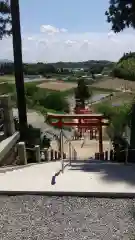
x,y
103,90
10,80
7,78
119,98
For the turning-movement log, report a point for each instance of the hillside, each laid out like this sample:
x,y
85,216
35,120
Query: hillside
x,y
125,68
95,67
85,64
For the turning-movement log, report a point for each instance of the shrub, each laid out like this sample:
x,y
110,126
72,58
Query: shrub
x,y
30,89
118,118
39,97
57,102
125,69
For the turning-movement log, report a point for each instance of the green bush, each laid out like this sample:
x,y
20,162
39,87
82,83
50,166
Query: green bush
x,y
118,117
30,89
39,99
125,69
57,102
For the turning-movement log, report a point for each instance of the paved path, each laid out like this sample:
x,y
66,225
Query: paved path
x,y
88,150
86,177
38,120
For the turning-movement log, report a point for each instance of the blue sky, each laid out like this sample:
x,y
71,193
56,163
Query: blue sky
x,y
80,16
60,30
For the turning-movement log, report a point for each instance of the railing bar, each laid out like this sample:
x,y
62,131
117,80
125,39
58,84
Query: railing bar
x,y
31,149
1,126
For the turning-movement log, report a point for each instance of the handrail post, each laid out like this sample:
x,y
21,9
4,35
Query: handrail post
x,y
61,151
73,153
70,157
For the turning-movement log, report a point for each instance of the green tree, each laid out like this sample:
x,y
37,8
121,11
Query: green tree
x,y
121,14
56,102
82,92
5,19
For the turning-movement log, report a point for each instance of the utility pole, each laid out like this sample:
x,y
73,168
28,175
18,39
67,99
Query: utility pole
x,y
18,67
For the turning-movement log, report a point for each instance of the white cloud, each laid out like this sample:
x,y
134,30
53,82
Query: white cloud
x,y
70,42
30,38
64,30
111,34
49,29
57,44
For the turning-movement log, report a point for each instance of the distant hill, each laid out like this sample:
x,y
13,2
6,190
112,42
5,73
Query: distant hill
x,y
85,64
91,66
5,61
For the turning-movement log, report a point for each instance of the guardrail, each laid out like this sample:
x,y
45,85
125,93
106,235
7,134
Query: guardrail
x,y
114,156
27,155
49,154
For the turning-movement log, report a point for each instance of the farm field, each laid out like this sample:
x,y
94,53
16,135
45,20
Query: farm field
x,y
122,98
57,86
119,98
114,83
100,87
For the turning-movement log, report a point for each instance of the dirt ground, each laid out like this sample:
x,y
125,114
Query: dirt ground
x,y
115,83
58,86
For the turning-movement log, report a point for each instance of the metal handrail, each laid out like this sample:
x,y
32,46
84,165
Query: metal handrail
x,y
71,150
71,147
58,138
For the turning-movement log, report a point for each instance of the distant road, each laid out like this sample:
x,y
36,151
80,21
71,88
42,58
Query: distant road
x,y
34,80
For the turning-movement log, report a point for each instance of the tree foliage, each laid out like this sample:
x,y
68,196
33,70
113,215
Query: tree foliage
x,y
5,19
82,92
118,117
125,69
121,14
126,56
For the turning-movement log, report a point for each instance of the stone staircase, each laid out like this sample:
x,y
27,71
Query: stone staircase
x,y
90,147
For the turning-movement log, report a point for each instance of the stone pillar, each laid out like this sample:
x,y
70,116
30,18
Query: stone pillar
x,y
22,153
9,127
37,153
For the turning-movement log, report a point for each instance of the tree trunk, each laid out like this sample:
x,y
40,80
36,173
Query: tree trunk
x,y
18,68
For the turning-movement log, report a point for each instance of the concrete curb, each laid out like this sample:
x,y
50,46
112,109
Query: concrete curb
x,y
113,195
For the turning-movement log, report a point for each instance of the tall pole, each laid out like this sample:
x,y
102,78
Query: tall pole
x,y
131,153
18,67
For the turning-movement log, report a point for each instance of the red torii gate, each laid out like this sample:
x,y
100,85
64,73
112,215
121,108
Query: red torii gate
x,y
80,110
91,120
